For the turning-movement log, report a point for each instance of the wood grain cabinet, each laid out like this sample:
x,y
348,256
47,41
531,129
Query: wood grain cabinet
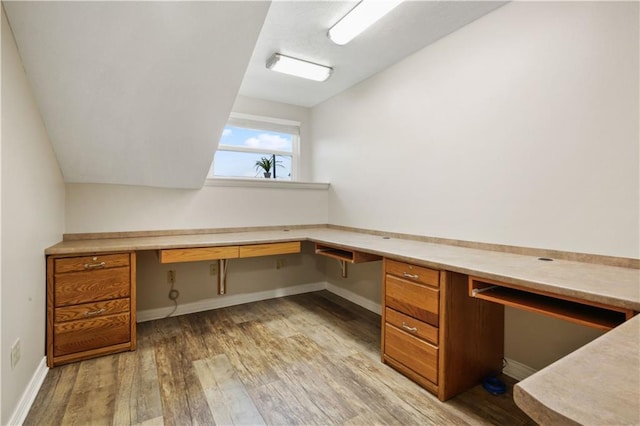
x,y
90,306
434,333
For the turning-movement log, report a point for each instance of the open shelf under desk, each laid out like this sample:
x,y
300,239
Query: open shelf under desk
x,y
351,256
581,312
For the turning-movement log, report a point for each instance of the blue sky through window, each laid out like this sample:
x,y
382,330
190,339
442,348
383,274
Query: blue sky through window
x,y
229,163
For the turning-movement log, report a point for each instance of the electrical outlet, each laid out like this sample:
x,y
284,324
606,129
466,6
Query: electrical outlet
x,y
281,263
15,353
171,276
213,269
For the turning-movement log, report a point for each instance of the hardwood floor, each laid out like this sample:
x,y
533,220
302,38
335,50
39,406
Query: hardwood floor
x,y
307,359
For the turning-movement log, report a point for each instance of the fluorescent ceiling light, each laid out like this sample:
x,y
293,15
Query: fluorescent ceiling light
x,y
298,67
361,17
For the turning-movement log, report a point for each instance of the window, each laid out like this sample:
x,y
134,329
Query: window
x,y
246,139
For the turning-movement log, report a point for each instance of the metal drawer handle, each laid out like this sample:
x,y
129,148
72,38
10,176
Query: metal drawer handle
x,y
410,329
407,275
93,313
94,265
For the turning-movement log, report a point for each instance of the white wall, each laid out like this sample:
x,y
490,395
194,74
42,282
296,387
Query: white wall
x,y
32,219
521,128
111,208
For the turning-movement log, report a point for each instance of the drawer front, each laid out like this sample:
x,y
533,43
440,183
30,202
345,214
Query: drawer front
x,y
86,263
416,300
413,273
91,286
197,254
91,310
255,250
412,326
83,335
412,352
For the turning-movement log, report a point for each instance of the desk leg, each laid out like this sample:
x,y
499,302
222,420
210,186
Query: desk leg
x,y
222,276
343,268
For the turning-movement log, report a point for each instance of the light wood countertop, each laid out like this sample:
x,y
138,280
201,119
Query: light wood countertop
x,y
597,384
615,286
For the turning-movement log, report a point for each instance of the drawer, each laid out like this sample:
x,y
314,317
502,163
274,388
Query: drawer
x,y
77,264
413,273
416,300
91,286
255,250
91,310
197,254
412,352
87,334
412,326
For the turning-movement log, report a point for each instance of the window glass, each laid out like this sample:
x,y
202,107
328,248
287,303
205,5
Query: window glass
x,y
242,146
242,164
250,138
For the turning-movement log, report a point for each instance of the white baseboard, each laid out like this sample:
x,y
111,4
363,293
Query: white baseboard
x,y
225,301
517,370
29,395
355,298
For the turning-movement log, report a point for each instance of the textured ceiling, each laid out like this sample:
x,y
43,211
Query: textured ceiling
x,y
135,92
298,28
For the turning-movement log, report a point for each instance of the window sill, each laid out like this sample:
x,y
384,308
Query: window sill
x,y
265,183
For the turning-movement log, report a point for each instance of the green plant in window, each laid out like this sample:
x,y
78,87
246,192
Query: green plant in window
x,y
267,164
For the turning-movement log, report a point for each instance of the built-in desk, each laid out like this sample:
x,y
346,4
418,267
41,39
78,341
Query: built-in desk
x,y
611,286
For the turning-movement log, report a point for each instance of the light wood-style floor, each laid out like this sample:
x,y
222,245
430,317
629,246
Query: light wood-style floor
x,y
306,359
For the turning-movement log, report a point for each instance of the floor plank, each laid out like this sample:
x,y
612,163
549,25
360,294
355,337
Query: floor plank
x,y
53,396
96,381
306,359
227,397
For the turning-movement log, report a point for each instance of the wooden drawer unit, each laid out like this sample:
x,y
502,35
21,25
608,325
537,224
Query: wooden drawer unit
x,y
411,302
434,333
90,306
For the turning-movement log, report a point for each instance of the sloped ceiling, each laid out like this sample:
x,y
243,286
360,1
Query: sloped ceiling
x,y
299,29
136,93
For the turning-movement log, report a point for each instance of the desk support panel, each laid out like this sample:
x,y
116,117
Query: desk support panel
x,y
222,276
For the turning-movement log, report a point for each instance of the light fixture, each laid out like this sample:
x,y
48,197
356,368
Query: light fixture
x,y
298,67
361,17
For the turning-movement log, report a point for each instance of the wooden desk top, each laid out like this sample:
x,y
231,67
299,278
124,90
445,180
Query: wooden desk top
x,y
609,285
597,384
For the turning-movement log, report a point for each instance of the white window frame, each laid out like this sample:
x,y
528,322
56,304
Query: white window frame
x,y
256,122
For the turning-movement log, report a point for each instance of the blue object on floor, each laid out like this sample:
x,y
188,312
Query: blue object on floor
x,y
494,386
